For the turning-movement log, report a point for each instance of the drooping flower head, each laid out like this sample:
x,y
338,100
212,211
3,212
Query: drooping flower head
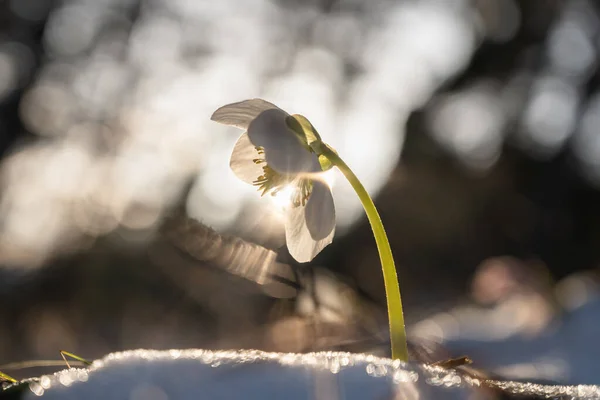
x,y
276,153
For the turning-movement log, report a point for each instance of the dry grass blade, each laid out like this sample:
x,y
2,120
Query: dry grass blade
x,y
231,254
4,377
64,354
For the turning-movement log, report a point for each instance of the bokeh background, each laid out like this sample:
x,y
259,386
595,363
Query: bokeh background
x,y
474,124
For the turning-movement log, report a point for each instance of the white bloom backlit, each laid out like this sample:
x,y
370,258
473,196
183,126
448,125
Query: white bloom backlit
x,y
279,161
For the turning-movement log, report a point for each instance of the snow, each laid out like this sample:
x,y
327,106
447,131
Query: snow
x,y
252,374
248,374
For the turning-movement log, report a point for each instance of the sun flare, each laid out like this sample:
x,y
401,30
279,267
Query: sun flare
x,y
283,198
328,177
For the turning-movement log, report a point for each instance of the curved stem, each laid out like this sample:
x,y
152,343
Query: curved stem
x,y
390,279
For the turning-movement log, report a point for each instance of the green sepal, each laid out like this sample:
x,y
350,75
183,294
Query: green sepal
x,y
309,137
306,132
326,164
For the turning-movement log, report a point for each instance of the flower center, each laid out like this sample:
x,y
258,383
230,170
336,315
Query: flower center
x,y
273,182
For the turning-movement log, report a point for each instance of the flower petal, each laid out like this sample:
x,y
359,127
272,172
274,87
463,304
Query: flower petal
x,y
240,114
283,150
242,157
309,229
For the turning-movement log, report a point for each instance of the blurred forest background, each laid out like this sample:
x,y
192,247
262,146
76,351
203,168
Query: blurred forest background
x,y
473,124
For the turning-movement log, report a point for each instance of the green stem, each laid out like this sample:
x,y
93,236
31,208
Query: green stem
x,y
390,279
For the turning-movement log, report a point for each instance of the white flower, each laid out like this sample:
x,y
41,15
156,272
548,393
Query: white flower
x,y
274,154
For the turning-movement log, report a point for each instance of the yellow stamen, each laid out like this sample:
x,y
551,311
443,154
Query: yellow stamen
x,y
272,182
